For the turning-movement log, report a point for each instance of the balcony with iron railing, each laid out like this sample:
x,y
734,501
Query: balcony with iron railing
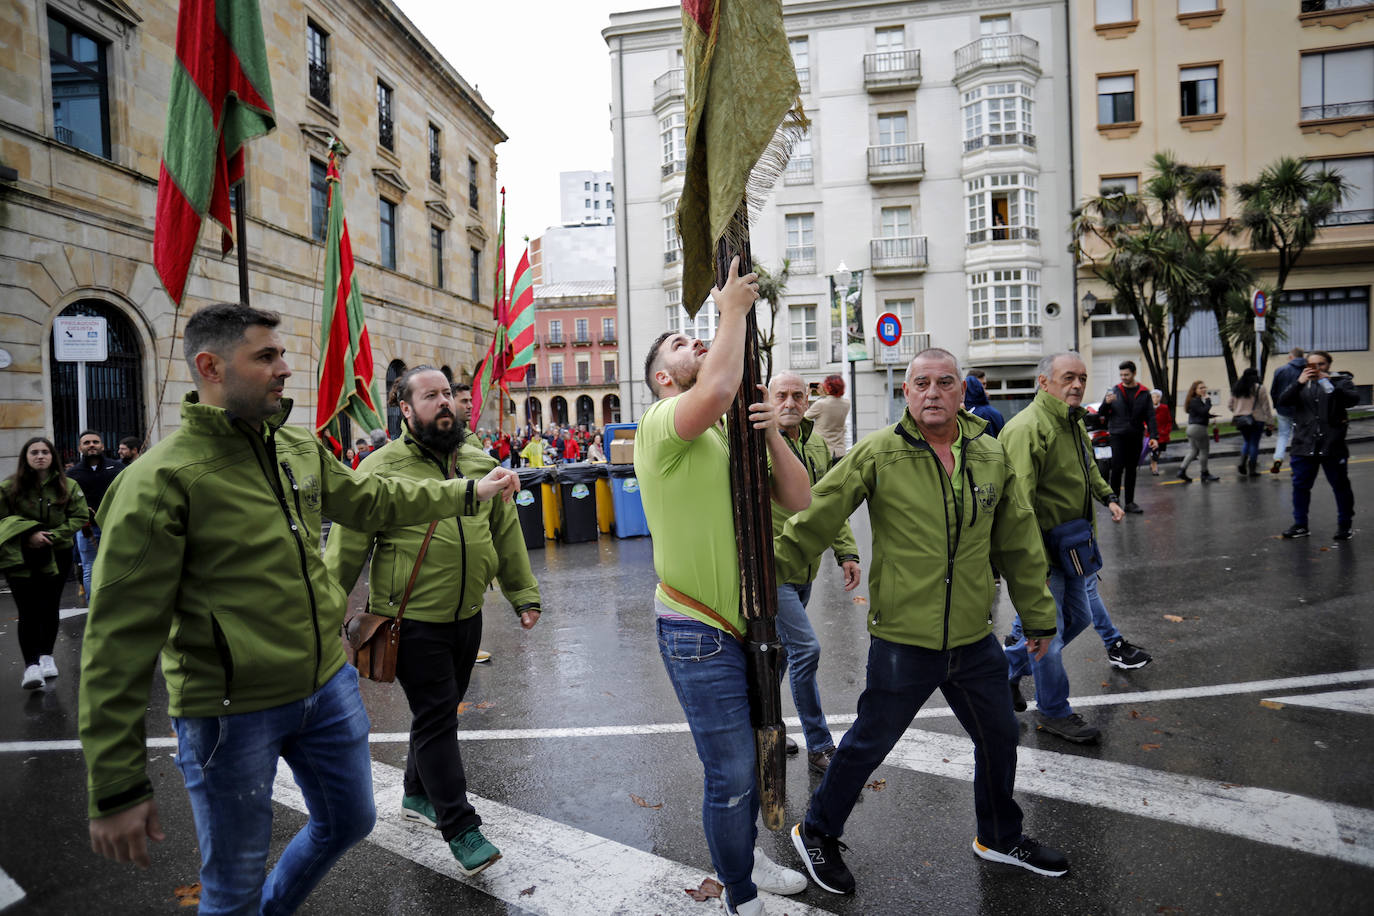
x,y
800,170
1004,234
319,83
896,162
1358,109
996,52
63,134
902,352
608,340
552,340
671,85
563,383
1349,218
804,354
1006,332
988,141
582,340
897,255
804,78
887,70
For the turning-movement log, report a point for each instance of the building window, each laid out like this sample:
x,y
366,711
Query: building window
x,y
608,372
388,233
1358,206
1004,304
1211,211
805,341
586,185
801,59
1002,207
80,87
905,310
1113,11
672,134
580,329
801,242
999,115
584,371
1118,185
317,61
1327,319
1196,6
896,222
436,255
556,331
436,156
675,312
472,183
319,200
475,275
801,165
705,329
889,38
672,245
386,132
1111,319
555,371
1338,84
596,205
1197,88
608,330
891,129
1116,99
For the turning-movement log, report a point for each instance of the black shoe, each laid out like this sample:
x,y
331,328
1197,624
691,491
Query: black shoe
x,y
819,761
1070,727
1183,476
1018,702
1275,467
821,856
792,748
1254,467
1028,854
1296,531
1133,509
1244,469
1124,655
1210,478
1344,533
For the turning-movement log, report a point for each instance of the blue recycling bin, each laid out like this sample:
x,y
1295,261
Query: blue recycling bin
x,y
629,508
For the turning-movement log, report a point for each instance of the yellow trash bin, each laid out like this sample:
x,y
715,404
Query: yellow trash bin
x,y
553,519
605,506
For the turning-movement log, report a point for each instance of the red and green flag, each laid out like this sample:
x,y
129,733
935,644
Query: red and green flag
x,y
491,371
520,321
744,115
221,97
348,383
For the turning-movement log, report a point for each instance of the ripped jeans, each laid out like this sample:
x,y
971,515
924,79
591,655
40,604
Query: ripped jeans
x,y
706,667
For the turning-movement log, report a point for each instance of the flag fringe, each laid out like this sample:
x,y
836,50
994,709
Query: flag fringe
x,y
771,165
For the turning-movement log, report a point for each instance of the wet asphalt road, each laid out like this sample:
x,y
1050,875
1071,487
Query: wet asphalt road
x,y
1138,815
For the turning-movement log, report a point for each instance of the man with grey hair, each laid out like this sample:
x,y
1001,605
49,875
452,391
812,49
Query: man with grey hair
x,y
944,501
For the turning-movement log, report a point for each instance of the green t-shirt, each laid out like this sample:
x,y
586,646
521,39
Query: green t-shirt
x,y
685,488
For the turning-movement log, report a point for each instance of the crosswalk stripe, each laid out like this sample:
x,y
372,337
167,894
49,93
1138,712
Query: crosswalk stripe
x,y
10,891
1294,822
1361,701
572,872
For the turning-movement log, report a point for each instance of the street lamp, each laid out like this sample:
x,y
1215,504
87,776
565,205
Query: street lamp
x,y
1089,305
843,276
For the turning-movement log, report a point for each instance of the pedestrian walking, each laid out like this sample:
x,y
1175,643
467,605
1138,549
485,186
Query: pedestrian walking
x,y
1199,407
595,451
41,510
1164,426
435,577
1252,415
1130,418
211,554
94,472
1284,376
936,487
682,460
831,414
1319,401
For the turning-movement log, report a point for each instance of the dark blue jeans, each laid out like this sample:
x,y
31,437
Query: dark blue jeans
x,y
229,763
803,656
1337,474
1250,442
901,678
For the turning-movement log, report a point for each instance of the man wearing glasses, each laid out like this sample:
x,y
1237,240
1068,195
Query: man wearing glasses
x,y
943,501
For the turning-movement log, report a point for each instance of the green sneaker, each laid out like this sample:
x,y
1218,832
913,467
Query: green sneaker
x,y
472,851
418,810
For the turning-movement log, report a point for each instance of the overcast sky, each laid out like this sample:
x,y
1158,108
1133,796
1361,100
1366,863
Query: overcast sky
x,y
544,69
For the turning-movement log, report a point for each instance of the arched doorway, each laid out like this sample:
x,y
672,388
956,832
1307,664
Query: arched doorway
x,y
558,408
586,411
534,413
610,409
394,370
114,388
448,373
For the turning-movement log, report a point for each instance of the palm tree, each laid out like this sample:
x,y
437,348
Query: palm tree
x,y
772,288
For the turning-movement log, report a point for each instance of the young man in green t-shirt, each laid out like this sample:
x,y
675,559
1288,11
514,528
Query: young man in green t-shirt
x,y
682,460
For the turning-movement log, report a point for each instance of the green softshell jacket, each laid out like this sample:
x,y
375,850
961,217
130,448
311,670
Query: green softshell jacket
x,y
813,452
930,579
1052,453
211,554
463,557
20,515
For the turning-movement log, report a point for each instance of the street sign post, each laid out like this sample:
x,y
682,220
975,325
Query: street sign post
x,y
80,339
889,335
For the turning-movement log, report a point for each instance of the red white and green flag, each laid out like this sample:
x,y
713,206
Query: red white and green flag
x,y
491,371
221,97
520,321
347,378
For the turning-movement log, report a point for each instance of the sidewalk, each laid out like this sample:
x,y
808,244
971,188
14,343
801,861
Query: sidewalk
x,y
1361,430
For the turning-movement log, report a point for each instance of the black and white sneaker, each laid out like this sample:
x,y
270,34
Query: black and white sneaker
x,y
1028,854
1124,655
821,856
1295,531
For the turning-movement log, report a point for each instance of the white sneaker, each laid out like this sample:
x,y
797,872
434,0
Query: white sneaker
x,y
752,908
47,666
771,877
33,677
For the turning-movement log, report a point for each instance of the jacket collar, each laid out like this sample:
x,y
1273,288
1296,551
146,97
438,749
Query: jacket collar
x,y
207,420
803,433
970,425
1056,408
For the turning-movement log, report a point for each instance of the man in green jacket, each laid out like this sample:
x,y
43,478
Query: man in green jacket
x,y
441,629
943,501
211,556
789,394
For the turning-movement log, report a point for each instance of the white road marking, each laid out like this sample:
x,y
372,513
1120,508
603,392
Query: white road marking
x,y
1283,819
669,728
71,612
572,872
10,892
1361,701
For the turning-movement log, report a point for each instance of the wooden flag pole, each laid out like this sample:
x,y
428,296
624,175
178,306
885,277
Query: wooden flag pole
x,y
749,485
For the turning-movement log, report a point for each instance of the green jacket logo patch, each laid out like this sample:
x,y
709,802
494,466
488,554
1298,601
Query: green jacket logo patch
x,y
310,492
986,494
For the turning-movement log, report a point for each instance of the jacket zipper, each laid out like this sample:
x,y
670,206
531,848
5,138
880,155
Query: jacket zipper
x,y
1083,461
300,547
462,538
226,658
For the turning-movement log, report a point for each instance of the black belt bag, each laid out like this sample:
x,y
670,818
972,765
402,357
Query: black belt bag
x,y
1073,549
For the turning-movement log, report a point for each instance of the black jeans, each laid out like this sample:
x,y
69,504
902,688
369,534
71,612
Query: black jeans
x,y
38,599
1125,459
901,678
433,664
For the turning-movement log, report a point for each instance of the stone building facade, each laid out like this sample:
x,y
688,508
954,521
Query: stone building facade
x,y
82,118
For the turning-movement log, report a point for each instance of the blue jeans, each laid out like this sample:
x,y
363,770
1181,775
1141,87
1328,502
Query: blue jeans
x,y
87,547
1337,474
1285,436
1250,442
706,668
901,678
229,763
803,655
1102,621
1051,680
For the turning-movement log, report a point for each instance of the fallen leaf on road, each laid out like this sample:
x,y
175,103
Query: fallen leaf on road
x,y
1150,747
464,706
944,760
709,888
187,894
642,803
1145,802
528,892
860,599
877,785
1137,715
1271,704
1173,618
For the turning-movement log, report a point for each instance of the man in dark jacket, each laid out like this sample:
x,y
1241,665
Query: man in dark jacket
x,y
1128,413
1319,401
95,472
1284,376
976,402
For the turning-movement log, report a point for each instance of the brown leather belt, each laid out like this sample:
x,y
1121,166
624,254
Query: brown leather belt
x,y
696,605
